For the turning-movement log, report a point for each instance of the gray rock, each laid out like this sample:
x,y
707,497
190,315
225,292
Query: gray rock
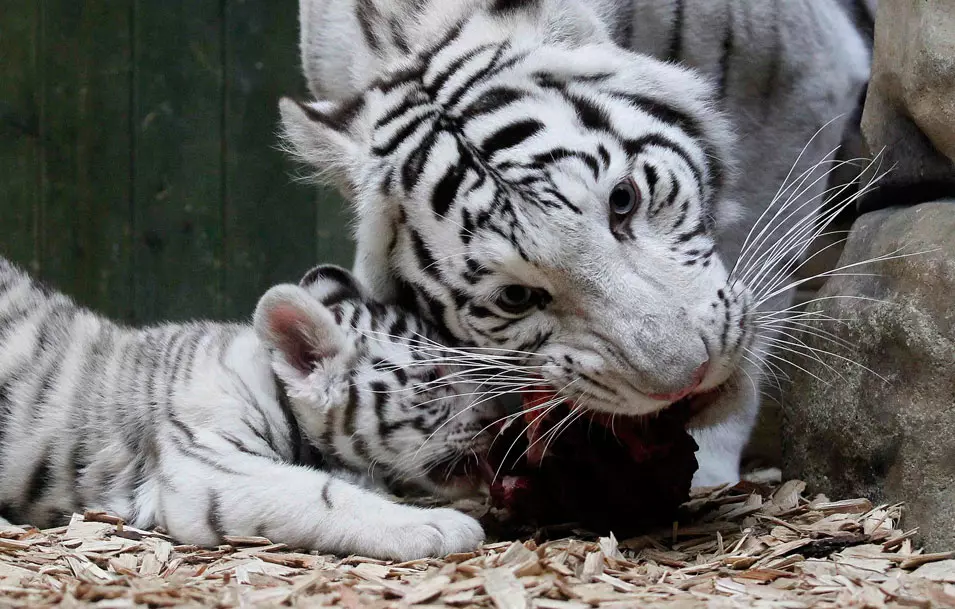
x,y
848,433
910,105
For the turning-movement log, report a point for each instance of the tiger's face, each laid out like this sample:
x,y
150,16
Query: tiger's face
x,y
371,388
560,204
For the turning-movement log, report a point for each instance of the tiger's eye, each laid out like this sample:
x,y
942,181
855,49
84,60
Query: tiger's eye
x,y
516,298
624,198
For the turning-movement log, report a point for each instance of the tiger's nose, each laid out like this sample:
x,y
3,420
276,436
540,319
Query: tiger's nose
x,y
698,376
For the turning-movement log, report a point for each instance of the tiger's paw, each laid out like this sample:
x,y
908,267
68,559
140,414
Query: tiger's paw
x,y
424,533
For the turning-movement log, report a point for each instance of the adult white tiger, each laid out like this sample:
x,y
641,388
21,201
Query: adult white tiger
x,y
534,186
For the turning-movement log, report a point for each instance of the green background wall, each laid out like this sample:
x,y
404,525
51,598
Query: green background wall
x,y
139,169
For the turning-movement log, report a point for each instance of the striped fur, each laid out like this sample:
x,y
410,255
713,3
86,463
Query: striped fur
x,y
285,429
489,146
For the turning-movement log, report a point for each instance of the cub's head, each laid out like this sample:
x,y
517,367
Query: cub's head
x,y
560,203
370,386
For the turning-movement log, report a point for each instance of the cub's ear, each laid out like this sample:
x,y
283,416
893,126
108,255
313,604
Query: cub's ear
x,y
289,320
326,135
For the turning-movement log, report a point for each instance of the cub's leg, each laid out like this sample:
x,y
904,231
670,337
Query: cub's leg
x,y
206,495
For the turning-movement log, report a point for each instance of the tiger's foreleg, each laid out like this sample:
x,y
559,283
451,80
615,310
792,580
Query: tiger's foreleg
x,y
204,499
723,429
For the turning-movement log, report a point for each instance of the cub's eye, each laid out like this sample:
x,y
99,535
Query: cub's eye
x,y
516,298
624,198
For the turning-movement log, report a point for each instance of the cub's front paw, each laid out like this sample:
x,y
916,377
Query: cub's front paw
x,y
431,533
459,532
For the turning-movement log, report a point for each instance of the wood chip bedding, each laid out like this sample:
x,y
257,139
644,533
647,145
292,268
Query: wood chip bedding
x,y
752,545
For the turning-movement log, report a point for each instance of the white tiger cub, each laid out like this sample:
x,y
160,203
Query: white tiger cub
x,y
526,180
281,429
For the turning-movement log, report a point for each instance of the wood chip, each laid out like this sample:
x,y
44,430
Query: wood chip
x,y
426,591
504,589
922,559
746,546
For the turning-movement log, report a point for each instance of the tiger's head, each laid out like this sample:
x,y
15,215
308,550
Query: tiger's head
x,y
556,202
371,388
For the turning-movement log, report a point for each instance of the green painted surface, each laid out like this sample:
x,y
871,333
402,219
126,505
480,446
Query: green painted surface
x,y
139,169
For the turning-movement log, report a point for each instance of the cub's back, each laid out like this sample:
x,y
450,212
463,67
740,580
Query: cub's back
x,y
79,398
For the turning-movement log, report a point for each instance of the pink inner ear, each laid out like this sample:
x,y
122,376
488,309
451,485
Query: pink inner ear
x,y
290,326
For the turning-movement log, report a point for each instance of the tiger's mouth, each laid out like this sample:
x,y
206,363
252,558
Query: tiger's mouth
x,y
465,473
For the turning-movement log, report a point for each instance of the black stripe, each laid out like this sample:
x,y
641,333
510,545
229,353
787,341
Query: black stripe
x,y
403,134
604,155
356,314
670,115
670,199
191,350
697,231
415,163
181,427
399,326
426,261
214,516
351,410
492,100
727,52
367,14
399,78
510,136
291,423
338,119
449,38
662,112
326,494
446,190
6,409
398,35
636,147
379,391
435,310
407,103
506,6
242,447
479,76
558,154
774,71
504,325
591,115
684,211
651,175
441,79
41,478
334,273
18,312
359,445
495,67
265,436
8,279
194,453
675,50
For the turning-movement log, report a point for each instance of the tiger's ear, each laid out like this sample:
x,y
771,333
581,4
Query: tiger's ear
x,y
289,320
330,283
327,136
